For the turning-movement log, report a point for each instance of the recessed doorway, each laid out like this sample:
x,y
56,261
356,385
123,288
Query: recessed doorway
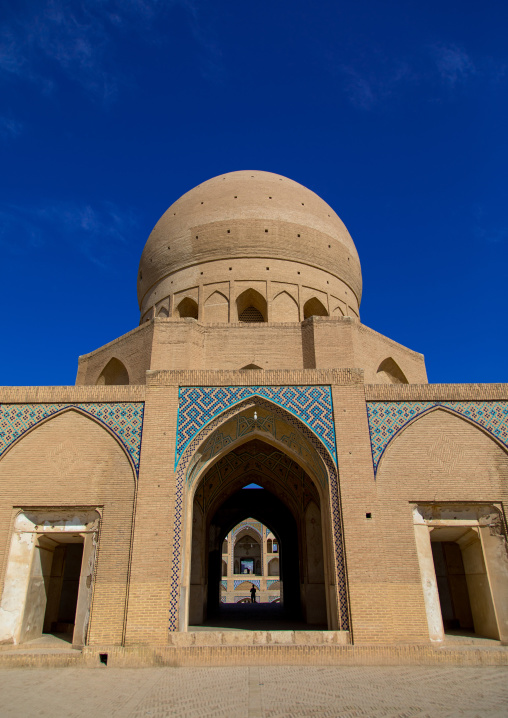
x,y
463,585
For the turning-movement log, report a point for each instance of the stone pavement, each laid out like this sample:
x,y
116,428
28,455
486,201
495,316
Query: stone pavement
x,y
268,692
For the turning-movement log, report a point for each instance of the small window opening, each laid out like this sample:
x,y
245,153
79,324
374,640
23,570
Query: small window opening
x,y
251,314
103,658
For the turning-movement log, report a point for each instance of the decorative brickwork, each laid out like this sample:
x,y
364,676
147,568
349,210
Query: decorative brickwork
x,y
200,405
125,420
387,419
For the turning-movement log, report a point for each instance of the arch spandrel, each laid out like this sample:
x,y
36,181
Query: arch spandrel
x,y
446,443
123,422
311,406
388,419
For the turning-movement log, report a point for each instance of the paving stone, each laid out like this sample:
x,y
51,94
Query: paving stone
x,y
256,692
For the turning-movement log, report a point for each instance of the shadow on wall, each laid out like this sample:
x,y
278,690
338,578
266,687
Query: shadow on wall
x,y
251,307
187,308
389,372
314,308
113,373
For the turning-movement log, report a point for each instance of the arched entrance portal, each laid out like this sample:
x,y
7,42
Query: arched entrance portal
x,y
256,445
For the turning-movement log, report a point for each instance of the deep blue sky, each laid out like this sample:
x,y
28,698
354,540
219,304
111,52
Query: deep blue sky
x,y
395,112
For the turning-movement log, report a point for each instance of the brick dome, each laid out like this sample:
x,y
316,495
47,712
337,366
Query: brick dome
x,y
238,227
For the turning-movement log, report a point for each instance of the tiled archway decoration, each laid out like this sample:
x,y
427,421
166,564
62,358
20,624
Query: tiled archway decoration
x,y
124,419
197,406
200,436
388,418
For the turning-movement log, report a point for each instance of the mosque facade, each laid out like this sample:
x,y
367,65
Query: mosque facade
x,y
385,495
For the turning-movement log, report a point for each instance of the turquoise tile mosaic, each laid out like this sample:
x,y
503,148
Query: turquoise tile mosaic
x,y
200,405
388,418
125,420
255,581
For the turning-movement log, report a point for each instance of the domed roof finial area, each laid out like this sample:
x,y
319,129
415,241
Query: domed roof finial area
x,y
250,230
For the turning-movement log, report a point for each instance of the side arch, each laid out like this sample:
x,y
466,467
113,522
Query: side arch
x,y
284,308
217,308
314,308
115,372
273,567
411,423
187,308
82,412
389,372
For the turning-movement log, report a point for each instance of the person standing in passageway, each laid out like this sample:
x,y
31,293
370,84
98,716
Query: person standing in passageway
x,y
253,594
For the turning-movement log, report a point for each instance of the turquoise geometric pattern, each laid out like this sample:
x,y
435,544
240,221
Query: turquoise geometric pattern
x,y
256,582
200,405
271,582
224,584
125,420
387,418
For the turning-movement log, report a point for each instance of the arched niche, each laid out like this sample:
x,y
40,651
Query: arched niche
x,y
247,552
389,372
163,313
217,309
250,367
314,308
284,308
273,567
114,372
251,307
187,308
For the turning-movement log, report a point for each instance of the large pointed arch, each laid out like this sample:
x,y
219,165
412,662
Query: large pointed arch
x,y
190,468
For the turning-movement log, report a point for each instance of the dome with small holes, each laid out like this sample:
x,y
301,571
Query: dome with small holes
x,y
249,231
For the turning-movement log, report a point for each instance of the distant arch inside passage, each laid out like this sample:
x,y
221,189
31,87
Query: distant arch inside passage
x,y
220,504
